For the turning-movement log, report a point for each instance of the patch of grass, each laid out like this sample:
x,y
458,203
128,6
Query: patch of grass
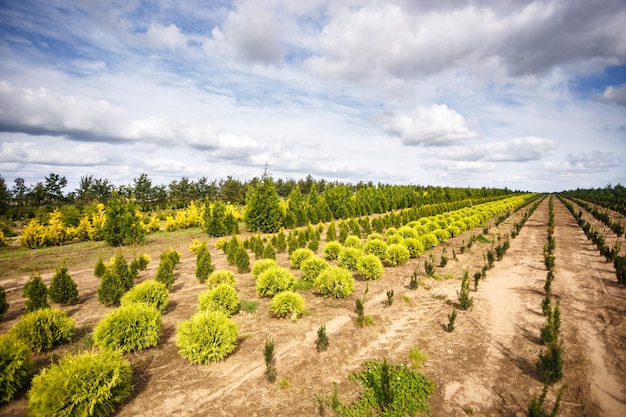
x,y
284,383
302,285
406,298
482,238
249,306
417,357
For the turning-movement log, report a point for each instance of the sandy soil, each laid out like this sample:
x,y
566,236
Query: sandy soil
x,y
486,367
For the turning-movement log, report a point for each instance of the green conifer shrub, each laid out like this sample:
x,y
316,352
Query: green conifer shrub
x,y
465,301
287,304
203,263
165,272
44,329
274,280
100,268
261,265
299,255
334,281
150,292
414,245
221,276
270,365
15,367
353,242
389,301
332,250
550,364
36,293
281,242
349,258
376,247
429,240
242,259
451,319
397,254
222,298
312,267
121,269
269,252
370,267
67,388
206,337
331,233
133,327
4,306
111,289
321,343
63,288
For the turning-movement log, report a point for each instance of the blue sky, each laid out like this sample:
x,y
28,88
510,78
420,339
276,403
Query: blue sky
x,y
521,94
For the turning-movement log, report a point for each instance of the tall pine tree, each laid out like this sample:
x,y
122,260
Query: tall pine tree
x,y
263,213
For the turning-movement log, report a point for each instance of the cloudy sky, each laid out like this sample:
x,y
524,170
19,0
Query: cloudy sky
x,y
524,94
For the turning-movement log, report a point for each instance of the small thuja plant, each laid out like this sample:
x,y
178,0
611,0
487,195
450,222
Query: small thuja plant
x,y
546,304
444,258
321,343
535,408
550,331
491,257
63,289
429,266
360,312
454,254
389,298
451,319
465,301
36,293
477,276
415,281
270,363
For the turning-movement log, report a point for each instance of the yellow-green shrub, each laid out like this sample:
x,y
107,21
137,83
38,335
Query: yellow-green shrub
x,y
312,267
15,366
332,250
150,292
287,304
299,255
261,265
370,267
335,281
221,276
348,257
274,280
222,298
133,327
44,329
206,337
397,254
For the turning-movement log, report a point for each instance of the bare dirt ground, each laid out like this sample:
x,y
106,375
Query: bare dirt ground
x,y
485,367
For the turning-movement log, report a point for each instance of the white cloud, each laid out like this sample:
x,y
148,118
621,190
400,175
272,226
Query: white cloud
x,y
169,36
530,148
616,94
35,153
593,161
436,125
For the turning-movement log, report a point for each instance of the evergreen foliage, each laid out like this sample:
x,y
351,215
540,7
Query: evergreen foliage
x,y
221,276
274,280
311,268
100,268
349,257
222,298
15,367
299,255
321,343
397,254
263,213
44,329
465,301
332,250
36,293
203,263
165,272
132,327
122,224
214,219
270,366
261,265
334,281
370,267
4,306
150,292
206,337
287,304
62,288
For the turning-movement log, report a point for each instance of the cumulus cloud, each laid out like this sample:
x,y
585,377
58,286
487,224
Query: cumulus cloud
x,y
35,153
593,161
170,36
616,94
524,149
436,125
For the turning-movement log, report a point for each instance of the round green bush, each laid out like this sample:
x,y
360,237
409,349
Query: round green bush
x,y
395,239
397,254
407,231
414,245
85,384
370,267
44,329
206,337
63,289
99,269
442,235
348,258
222,298
274,280
287,304
221,276
332,250
150,292
261,265
15,366
376,247
454,231
335,281
312,267
374,235
133,327
429,240
299,255
353,242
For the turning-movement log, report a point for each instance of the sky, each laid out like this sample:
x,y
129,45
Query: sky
x,y
529,95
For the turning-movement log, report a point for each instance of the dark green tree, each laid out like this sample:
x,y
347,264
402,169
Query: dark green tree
x,y
263,212
123,223
63,289
214,219
4,306
36,293
203,263
111,289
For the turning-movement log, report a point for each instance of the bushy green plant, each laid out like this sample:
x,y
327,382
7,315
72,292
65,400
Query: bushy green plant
x,y
370,267
349,257
171,254
335,281
389,301
274,280
397,254
261,265
268,356
150,292
376,247
221,276
332,250
299,255
4,306
100,268
269,252
36,293
321,343
242,259
165,272
414,245
287,304
15,367
44,329
429,240
222,298
120,268
550,364
133,327
206,337
465,301
535,408
111,289
63,289
451,319
415,280
312,267
203,262
353,242
85,384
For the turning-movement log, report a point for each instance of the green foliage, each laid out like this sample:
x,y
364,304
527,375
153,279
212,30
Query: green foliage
x,y
269,252
222,298
397,254
376,247
359,308
429,240
414,245
280,242
249,306
221,276
415,280
121,269
44,329
535,408
332,250
206,337
261,265
550,331
15,367
391,390
242,259
122,224
111,289
36,293
451,319
85,384
299,255
287,304
165,272
4,306
477,276
331,233
273,281
349,258
214,219
389,298
263,213
321,343
353,242
133,327
203,263
150,292
99,269
335,281
62,288
444,258
550,364
465,301
417,357
312,267
370,267
270,366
